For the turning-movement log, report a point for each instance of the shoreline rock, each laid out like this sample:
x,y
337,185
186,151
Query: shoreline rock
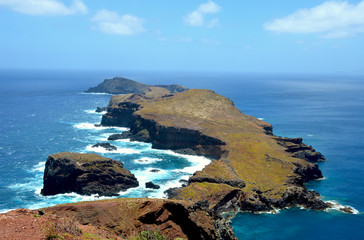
x,y
152,185
85,174
106,146
100,109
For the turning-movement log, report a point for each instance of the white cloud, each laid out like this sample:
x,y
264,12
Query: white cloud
x,y
209,7
45,7
197,17
333,19
112,23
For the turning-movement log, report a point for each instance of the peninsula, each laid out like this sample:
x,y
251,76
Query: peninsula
x,y
251,169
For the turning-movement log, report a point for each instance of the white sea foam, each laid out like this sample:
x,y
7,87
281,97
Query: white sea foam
x,y
91,126
310,135
147,160
338,207
48,201
6,210
94,112
38,167
122,140
274,211
86,126
261,119
95,93
198,163
25,186
153,171
145,175
320,179
119,150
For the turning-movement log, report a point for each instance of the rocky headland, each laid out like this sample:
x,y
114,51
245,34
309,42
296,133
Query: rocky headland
x,y
253,170
120,85
85,174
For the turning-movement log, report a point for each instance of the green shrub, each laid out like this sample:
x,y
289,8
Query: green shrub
x,y
63,229
51,232
151,235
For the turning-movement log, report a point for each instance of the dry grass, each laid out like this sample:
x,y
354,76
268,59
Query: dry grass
x,y
247,143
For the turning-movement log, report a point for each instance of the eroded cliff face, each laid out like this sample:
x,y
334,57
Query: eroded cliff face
x,y
85,174
253,169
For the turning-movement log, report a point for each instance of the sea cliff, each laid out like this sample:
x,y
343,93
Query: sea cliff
x,y
253,170
86,174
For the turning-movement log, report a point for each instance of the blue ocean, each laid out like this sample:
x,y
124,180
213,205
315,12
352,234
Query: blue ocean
x,y
45,112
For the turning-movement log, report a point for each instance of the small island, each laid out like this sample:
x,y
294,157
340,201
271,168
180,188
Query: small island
x,y
120,85
86,174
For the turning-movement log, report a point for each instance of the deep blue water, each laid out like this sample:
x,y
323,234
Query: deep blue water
x,y
44,112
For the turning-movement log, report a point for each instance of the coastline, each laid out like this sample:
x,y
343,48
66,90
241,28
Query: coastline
x,y
317,135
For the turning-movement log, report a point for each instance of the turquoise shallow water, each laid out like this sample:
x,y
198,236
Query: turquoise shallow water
x,y
43,112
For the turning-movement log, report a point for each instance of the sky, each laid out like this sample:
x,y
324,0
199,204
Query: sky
x,y
301,36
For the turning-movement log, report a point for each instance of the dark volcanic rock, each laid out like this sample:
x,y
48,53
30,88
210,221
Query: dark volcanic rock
x,y
120,116
238,183
184,182
299,149
152,185
255,203
306,174
101,109
107,146
171,192
85,174
299,196
141,136
119,85
347,210
118,136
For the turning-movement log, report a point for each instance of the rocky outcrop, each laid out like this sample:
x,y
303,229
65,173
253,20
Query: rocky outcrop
x,y
100,109
106,146
237,183
299,149
152,185
253,171
119,85
85,174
